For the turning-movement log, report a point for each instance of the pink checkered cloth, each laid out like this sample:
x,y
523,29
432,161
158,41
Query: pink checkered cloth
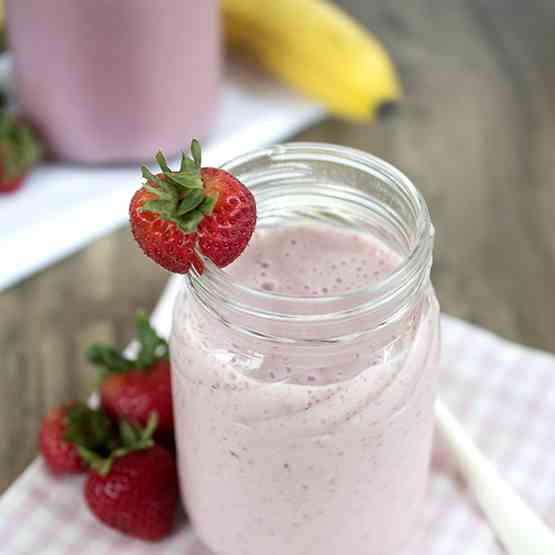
x,y
503,393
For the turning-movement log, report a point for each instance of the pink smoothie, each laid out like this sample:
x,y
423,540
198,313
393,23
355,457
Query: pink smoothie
x,y
288,450
112,81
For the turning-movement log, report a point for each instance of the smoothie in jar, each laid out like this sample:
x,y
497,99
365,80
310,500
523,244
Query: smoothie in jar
x,y
304,374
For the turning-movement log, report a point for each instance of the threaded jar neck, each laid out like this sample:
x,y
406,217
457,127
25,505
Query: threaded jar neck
x,y
337,186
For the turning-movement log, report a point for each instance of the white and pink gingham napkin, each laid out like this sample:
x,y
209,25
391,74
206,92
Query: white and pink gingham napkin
x,y
503,393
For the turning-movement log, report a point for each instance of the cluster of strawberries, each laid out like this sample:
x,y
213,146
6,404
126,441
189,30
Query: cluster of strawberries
x,y
126,444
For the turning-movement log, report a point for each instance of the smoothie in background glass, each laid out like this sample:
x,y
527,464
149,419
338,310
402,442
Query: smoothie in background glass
x,y
304,375
113,81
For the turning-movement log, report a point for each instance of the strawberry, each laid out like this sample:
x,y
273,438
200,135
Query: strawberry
x,y
19,150
67,428
135,491
176,212
134,387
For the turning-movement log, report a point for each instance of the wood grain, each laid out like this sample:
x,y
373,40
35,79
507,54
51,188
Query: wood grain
x,y
476,133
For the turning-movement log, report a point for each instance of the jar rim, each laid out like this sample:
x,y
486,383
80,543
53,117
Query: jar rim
x,y
411,264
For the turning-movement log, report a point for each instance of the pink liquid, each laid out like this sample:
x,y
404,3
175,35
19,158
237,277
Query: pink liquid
x,y
108,81
302,261
297,451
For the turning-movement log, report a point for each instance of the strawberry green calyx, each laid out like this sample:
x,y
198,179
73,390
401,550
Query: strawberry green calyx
x,y
152,348
132,438
88,428
19,146
180,196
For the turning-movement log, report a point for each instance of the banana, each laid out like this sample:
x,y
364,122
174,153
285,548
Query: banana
x,y
318,49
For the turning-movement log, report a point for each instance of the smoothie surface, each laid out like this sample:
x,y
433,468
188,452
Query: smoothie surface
x,y
313,260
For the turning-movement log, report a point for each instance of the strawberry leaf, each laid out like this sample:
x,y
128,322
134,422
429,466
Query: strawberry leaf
x,y
190,202
207,206
132,438
147,174
152,422
86,427
19,145
155,205
196,152
160,193
189,222
108,359
189,180
161,159
111,361
187,165
162,207
129,433
98,463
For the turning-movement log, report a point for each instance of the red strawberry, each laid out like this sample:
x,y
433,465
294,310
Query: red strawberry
x,y
133,388
61,456
137,393
161,240
176,211
8,185
224,235
67,428
19,150
137,491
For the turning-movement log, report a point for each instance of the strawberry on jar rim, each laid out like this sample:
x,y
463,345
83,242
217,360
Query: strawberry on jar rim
x,y
178,215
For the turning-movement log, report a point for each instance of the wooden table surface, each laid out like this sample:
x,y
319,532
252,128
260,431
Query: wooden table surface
x,y
476,133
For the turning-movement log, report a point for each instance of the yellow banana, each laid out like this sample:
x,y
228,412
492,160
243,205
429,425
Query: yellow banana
x,y
318,49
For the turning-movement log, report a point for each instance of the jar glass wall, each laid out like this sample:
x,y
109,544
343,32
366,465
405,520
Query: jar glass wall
x,y
304,420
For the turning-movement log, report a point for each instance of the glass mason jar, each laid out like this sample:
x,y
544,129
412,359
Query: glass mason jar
x,y
304,424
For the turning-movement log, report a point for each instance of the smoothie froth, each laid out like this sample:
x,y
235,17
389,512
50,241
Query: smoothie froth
x,y
305,260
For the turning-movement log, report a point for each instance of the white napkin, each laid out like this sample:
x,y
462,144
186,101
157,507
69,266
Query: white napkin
x,y
63,207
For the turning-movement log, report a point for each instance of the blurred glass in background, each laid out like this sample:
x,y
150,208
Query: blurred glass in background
x,y
106,81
